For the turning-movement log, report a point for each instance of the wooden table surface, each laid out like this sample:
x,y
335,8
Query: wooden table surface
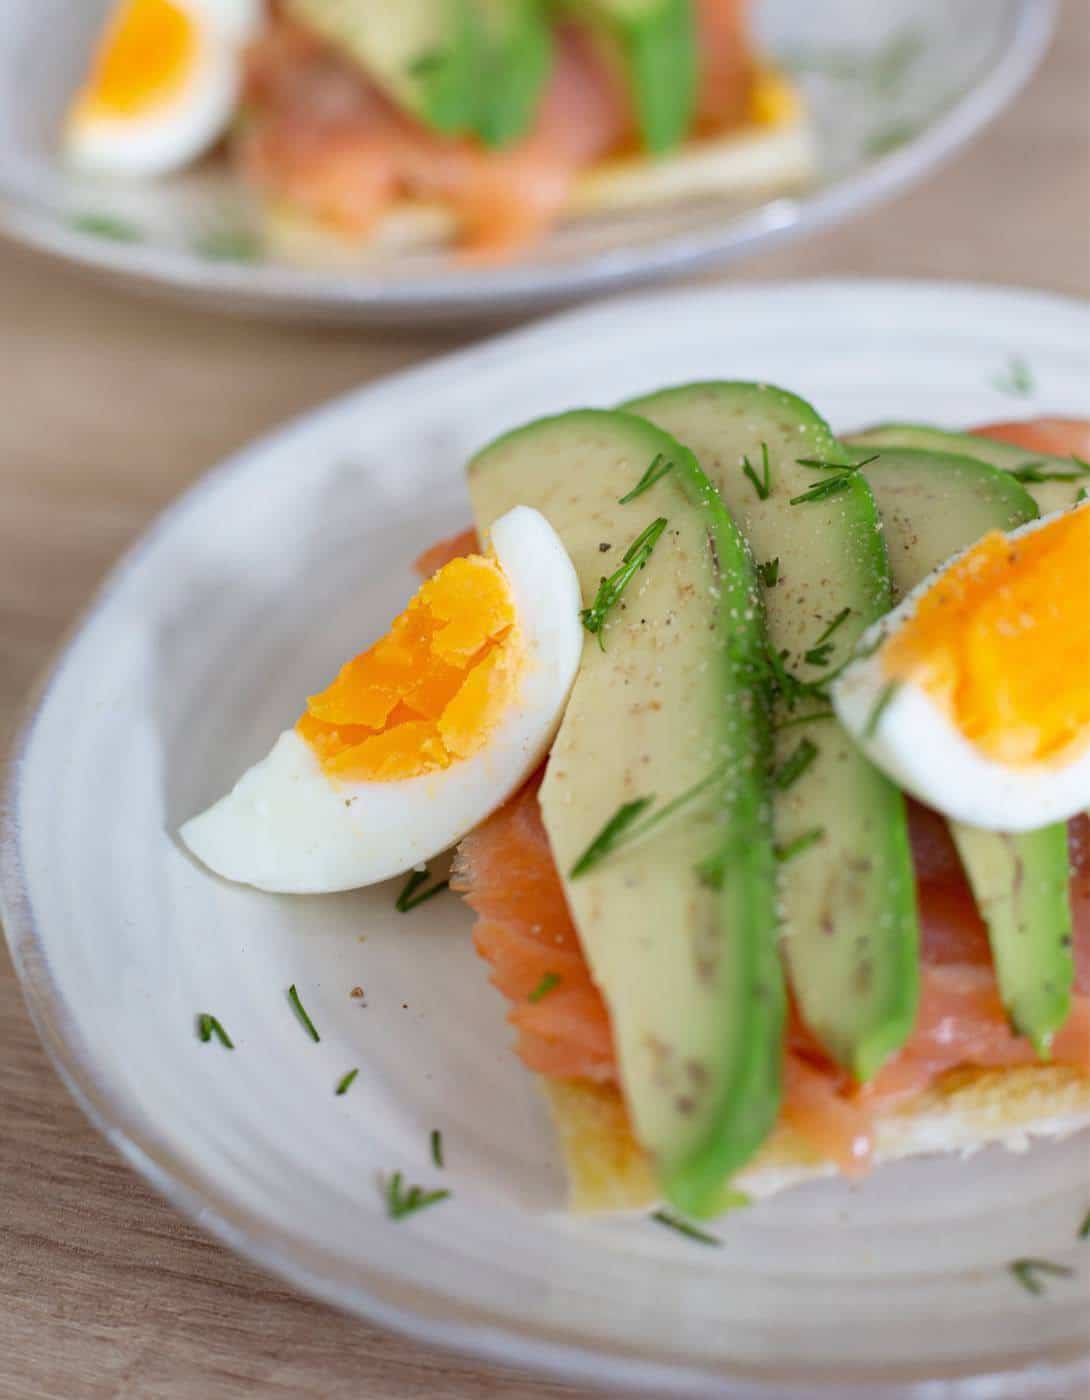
x,y
110,406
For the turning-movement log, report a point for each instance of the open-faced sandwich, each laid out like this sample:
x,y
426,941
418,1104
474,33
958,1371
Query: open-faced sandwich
x,y
768,755
426,123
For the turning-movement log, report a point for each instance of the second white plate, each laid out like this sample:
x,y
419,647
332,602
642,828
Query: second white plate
x,y
895,88
257,584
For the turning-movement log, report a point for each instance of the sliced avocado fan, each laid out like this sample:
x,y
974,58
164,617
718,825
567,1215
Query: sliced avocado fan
x,y
846,880
934,505
1053,482
659,780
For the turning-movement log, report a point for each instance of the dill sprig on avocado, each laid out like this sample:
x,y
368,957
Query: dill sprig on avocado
x,y
793,720
301,1011
408,899
761,484
610,589
793,767
660,465
819,653
208,1026
790,849
829,485
624,826
1030,473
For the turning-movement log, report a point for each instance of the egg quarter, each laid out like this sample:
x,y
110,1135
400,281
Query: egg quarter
x,y
974,693
406,751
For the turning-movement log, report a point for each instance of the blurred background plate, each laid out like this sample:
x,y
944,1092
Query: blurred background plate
x,y
268,574
895,86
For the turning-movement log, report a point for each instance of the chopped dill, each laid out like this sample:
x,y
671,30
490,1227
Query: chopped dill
x,y
611,588
801,843
796,765
610,835
345,1082
685,1227
819,653
1029,1272
208,1026
301,1012
409,899
1017,379
769,572
761,484
880,706
437,1147
548,983
624,824
822,490
402,1200
660,465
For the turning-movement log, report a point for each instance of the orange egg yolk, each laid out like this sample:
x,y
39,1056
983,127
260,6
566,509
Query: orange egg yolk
x,y
1002,640
431,690
145,56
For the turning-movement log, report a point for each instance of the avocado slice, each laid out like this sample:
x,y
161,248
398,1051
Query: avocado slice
x,y
517,44
848,900
656,43
933,505
665,706
1063,477
425,54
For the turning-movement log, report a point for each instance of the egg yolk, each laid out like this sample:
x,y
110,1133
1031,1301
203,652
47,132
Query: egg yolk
x,y
1002,640
146,54
431,690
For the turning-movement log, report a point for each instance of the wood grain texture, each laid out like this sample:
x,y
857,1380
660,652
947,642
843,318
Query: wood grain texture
x,y
110,406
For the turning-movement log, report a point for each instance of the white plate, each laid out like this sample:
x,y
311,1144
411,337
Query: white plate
x,y
896,87
245,594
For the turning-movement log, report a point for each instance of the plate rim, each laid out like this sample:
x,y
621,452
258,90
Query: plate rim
x,y
507,1342
282,291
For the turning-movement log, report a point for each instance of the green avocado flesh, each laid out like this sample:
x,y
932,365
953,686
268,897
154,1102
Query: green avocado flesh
x,y
1064,480
934,505
424,54
518,50
688,964
656,41
848,900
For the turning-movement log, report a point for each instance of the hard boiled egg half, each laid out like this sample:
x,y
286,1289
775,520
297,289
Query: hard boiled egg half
x,y
420,737
976,697
162,87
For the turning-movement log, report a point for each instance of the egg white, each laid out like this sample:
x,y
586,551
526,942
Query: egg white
x,y
182,128
289,828
916,743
